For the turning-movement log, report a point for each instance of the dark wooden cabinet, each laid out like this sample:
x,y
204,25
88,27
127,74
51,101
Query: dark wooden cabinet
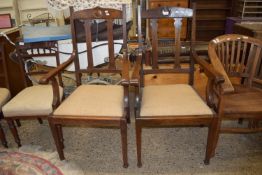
x,y
211,18
15,76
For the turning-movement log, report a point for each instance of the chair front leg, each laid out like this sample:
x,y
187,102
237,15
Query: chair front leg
x,y
123,128
55,131
216,127
2,137
138,144
211,140
13,129
60,134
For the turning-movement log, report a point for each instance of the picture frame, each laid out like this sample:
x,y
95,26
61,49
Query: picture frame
x,y
5,21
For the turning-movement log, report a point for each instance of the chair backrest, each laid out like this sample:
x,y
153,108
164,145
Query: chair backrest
x,y
27,51
240,56
87,16
3,68
177,14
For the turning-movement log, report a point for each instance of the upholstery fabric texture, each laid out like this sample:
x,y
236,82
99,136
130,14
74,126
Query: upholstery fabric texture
x,y
32,101
94,100
4,96
172,100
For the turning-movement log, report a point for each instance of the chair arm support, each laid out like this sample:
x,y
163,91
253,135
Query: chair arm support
x,y
135,79
46,78
214,85
125,72
50,76
208,69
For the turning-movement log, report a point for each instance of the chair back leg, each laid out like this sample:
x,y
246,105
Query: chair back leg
x,y
2,137
13,130
123,130
55,132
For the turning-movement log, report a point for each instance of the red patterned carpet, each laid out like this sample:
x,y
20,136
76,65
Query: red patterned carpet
x,y
18,162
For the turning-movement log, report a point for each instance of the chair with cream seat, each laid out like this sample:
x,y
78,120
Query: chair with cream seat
x,y
168,105
4,92
35,101
95,105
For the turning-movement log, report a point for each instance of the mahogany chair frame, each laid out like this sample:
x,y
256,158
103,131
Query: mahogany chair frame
x,y
25,52
57,122
138,76
3,75
241,57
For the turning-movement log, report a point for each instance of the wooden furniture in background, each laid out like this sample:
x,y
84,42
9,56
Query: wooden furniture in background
x,y
241,57
249,8
211,18
165,27
4,92
94,105
13,69
169,105
253,29
38,101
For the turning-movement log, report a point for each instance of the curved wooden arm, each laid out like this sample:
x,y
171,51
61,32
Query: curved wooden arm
x,y
45,79
214,84
208,69
135,79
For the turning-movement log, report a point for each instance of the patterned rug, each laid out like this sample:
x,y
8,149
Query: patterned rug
x,y
30,160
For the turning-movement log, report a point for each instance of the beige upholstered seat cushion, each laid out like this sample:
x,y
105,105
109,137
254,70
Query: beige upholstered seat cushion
x,y
4,97
32,101
94,100
172,100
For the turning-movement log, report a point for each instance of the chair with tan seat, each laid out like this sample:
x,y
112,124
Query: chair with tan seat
x,y
95,105
239,59
4,92
169,105
35,101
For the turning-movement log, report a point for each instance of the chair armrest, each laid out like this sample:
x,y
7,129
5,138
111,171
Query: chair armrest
x,y
50,76
46,78
135,79
208,69
215,82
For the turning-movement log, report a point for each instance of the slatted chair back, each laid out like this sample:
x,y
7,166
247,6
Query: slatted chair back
x,y
241,56
177,14
3,68
28,51
87,17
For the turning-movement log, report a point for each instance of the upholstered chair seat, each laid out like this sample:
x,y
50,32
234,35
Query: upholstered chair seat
x,y
93,100
32,101
4,97
172,100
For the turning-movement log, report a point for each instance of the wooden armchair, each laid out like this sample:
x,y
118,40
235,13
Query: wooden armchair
x,y
94,105
239,59
170,105
35,101
4,92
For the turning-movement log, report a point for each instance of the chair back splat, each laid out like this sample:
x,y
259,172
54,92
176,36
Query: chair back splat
x,y
180,16
87,17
